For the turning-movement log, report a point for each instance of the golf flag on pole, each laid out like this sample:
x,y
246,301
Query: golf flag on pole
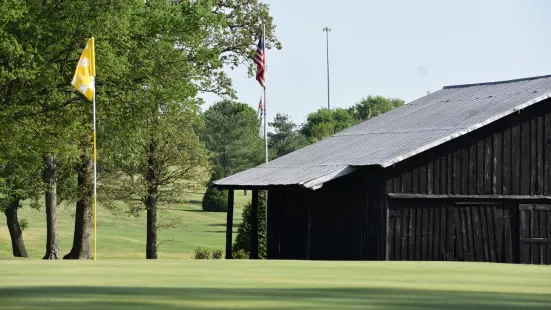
x,y
83,79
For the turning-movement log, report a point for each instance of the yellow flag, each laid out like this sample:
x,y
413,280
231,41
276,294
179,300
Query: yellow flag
x,y
83,80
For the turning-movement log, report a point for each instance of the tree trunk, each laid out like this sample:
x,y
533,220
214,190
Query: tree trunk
x,y
16,234
50,178
151,205
81,238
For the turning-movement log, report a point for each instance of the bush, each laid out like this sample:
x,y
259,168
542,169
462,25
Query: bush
x,y
240,254
217,254
243,239
215,200
202,253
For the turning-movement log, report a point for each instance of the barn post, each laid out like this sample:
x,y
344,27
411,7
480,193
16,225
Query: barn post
x,y
229,225
254,226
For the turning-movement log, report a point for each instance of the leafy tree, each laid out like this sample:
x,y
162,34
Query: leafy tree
x,y
215,200
374,106
325,122
231,134
286,137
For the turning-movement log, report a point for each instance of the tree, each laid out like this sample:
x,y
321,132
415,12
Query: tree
x,y
374,106
285,138
215,200
232,135
326,122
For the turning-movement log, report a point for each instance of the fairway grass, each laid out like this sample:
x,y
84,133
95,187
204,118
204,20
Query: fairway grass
x,y
124,236
222,284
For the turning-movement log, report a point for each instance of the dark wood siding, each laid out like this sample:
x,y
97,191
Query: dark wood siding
x,y
535,234
484,232
340,221
507,157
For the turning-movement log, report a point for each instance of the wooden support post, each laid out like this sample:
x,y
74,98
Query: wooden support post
x,y
254,226
229,225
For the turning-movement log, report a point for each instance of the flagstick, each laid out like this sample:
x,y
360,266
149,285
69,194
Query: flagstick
x,y
95,214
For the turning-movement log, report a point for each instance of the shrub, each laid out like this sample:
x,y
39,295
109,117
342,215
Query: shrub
x,y
217,254
240,254
202,252
215,200
243,239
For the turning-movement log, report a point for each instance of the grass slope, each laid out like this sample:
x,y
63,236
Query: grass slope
x,y
124,237
221,284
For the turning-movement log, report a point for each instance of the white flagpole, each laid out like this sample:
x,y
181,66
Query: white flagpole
x,y
94,159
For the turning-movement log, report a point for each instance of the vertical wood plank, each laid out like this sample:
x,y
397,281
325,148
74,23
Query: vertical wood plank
x,y
430,239
464,170
497,168
548,246
525,158
391,233
406,179
533,155
498,215
542,219
515,158
411,233
437,253
418,232
540,145
477,234
534,247
457,170
461,232
405,233
229,225
470,234
398,233
423,179
508,235
491,233
415,181
397,179
430,176
450,240
523,231
485,238
437,178
506,153
488,157
472,168
480,167
424,237
449,176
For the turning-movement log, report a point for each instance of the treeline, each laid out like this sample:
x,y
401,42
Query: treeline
x,y
152,58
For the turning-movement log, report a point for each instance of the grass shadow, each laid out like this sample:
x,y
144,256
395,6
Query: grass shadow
x,y
93,297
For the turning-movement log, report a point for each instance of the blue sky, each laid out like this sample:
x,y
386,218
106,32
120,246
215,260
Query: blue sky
x,y
396,49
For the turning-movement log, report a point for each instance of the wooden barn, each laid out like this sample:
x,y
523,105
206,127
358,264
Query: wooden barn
x,y
462,174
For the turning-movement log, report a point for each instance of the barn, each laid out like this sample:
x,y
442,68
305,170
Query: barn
x,y
462,174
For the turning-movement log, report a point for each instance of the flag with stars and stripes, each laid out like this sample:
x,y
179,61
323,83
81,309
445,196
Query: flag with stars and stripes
x,y
260,61
83,79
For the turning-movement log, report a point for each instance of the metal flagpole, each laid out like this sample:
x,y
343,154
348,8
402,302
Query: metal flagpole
x,y
265,115
327,30
95,214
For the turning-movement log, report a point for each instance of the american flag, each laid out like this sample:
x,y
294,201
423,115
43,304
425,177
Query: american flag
x,y
260,118
260,62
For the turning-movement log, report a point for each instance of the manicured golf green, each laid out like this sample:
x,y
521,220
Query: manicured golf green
x,y
240,284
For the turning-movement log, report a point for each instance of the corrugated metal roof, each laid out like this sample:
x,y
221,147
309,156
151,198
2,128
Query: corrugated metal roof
x,y
400,133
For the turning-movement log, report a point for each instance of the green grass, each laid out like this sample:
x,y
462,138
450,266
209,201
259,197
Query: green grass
x,y
221,284
124,237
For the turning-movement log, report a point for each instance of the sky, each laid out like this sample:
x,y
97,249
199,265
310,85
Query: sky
x,y
398,49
